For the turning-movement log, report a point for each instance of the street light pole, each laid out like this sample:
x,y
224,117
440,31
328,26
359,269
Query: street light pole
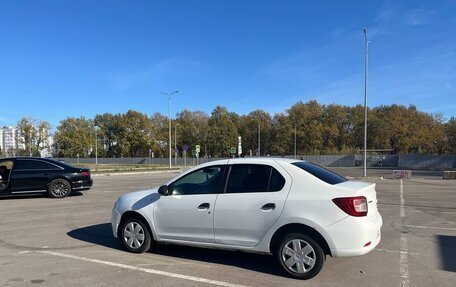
x,y
30,148
175,144
259,139
96,145
295,140
366,43
169,121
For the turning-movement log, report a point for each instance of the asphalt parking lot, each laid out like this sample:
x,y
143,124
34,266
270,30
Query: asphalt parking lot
x,y
68,242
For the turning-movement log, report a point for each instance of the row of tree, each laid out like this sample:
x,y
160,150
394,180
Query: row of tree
x,y
310,128
316,129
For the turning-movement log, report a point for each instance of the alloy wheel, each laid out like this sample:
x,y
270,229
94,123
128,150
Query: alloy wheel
x,y
298,256
133,235
60,188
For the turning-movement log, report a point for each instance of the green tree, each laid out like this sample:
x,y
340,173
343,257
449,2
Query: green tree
x,y
248,127
282,135
161,135
108,134
75,136
450,132
222,132
192,130
137,133
307,117
34,134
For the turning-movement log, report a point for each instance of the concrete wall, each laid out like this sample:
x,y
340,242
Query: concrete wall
x,y
427,162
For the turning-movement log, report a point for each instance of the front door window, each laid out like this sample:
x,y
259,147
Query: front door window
x,y
202,181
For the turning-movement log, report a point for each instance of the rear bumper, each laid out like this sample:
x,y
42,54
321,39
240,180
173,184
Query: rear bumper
x,y
355,236
83,184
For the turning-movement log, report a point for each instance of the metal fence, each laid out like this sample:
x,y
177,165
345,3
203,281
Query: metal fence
x,y
408,161
427,162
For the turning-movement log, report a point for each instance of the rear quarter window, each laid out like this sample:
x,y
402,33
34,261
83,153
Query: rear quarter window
x,y
320,172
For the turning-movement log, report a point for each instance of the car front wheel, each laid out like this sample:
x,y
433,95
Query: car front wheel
x,y
135,235
300,256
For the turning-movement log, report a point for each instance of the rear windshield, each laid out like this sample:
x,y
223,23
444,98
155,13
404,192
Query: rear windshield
x,y
320,172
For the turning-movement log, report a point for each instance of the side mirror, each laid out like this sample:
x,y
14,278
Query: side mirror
x,y
163,190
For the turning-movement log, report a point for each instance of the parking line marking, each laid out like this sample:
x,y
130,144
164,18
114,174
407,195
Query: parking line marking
x,y
431,227
395,251
142,269
403,259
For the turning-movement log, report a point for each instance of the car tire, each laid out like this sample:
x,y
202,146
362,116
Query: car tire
x,y
300,256
135,235
59,188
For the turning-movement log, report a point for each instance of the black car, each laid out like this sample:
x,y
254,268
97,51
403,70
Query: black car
x,y
23,175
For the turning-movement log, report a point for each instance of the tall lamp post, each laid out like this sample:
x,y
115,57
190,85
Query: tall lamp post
x,y
169,121
295,140
366,43
96,145
175,144
259,139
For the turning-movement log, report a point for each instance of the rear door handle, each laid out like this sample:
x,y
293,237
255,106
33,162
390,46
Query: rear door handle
x,y
204,206
268,207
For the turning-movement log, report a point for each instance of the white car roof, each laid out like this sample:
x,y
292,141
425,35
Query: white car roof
x,y
250,160
262,160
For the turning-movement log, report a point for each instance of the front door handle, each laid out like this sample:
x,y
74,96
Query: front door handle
x,y
268,207
204,206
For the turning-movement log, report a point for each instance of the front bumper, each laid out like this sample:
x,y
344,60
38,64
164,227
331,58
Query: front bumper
x,y
115,221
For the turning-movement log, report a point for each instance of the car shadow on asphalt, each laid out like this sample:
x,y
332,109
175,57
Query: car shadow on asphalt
x,y
101,234
447,248
35,195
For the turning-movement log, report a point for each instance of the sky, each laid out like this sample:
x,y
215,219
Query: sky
x,y
63,59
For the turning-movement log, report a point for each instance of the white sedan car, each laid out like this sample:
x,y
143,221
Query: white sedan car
x,y
295,210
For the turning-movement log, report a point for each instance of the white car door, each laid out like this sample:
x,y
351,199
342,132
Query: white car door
x,y
187,213
254,199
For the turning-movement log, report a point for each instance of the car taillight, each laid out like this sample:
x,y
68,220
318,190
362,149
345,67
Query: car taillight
x,y
85,173
354,206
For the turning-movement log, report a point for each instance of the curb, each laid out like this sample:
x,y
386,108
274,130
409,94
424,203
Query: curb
x,y
135,172
367,178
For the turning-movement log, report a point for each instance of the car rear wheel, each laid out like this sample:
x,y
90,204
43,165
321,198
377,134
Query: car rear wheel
x,y
59,188
300,256
135,235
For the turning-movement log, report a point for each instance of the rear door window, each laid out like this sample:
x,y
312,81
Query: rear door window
x,y
244,178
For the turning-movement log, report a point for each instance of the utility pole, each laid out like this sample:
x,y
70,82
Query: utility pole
x,y
366,43
169,121
175,144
